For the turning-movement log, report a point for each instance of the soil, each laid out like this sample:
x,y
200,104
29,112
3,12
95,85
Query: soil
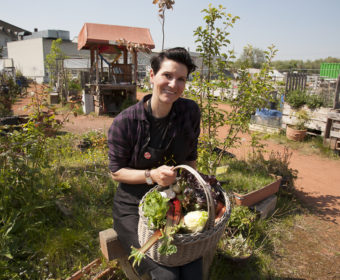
x,y
311,250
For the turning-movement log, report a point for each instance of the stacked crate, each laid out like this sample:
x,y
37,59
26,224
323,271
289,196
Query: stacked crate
x,y
332,132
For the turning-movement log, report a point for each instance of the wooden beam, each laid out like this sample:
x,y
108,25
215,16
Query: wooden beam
x,y
135,62
97,67
125,56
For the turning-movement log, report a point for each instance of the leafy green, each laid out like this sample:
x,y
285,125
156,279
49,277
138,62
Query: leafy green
x,y
155,207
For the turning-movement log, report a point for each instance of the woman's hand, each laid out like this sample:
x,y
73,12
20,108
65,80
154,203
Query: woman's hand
x,y
163,175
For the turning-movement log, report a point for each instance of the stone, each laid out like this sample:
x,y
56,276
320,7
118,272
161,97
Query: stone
x,y
110,245
266,207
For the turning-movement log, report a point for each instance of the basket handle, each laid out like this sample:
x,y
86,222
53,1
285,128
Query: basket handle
x,y
210,202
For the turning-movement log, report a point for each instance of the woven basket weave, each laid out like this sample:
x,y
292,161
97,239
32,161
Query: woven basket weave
x,y
189,246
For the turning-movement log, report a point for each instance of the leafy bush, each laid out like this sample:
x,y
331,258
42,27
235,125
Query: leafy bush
x,y
9,90
55,200
314,101
296,98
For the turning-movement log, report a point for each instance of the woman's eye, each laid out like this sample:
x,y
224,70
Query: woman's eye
x,y
168,76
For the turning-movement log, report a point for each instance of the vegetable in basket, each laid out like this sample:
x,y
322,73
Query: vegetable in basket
x,y
155,207
195,221
166,233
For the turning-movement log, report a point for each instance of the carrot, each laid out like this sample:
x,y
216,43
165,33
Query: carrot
x,y
139,254
220,213
219,206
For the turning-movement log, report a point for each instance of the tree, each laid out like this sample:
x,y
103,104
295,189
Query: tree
x,y
255,57
253,91
54,63
162,6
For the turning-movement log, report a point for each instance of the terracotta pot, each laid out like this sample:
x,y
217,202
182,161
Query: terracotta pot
x,y
254,197
295,134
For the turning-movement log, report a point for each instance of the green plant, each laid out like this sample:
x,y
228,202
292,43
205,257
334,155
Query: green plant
x,y
302,118
314,101
74,84
296,98
235,247
9,91
253,91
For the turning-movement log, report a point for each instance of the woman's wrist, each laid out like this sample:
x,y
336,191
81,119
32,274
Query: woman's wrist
x,y
148,179
152,175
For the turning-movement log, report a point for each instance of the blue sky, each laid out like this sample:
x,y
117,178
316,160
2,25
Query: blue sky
x,y
300,29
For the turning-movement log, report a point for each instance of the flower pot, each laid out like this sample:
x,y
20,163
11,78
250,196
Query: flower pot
x,y
295,134
254,197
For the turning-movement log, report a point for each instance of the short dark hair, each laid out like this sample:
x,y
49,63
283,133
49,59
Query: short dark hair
x,y
180,55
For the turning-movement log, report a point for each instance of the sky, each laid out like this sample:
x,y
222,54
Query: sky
x,y
299,29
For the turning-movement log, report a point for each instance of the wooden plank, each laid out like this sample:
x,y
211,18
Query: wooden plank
x,y
335,134
334,116
336,125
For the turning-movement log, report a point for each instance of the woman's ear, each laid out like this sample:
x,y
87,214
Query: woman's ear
x,y
151,76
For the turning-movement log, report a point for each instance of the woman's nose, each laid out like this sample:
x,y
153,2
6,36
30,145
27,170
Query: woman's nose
x,y
173,83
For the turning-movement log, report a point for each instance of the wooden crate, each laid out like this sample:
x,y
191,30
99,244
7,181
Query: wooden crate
x,y
332,130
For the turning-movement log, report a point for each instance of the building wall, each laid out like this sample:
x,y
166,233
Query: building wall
x,y
4,38
28,58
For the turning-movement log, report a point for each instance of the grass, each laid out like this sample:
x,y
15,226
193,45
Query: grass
x,y
241,178
312,145
39,238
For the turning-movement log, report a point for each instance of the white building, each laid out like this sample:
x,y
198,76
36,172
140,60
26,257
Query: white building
x,y
29,54
9,33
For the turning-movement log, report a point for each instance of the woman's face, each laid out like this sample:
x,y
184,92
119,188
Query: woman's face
x,y
169,82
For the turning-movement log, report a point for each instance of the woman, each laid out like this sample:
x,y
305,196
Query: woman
x,y
145,142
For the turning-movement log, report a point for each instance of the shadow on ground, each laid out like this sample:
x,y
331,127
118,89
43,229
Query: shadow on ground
x,y
323,206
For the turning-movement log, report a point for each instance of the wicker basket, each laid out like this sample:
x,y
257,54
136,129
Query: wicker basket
x,y
189,246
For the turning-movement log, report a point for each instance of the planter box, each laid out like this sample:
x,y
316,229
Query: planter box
x,y
254,197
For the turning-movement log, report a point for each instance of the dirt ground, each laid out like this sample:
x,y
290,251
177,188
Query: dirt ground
x,y
312,249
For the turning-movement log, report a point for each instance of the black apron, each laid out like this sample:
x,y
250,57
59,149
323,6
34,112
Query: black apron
x,y
127,199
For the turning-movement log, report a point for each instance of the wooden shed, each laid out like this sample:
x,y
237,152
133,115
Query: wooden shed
x,y
112,79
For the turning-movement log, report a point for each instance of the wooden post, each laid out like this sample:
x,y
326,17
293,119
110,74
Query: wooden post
x,y
336,103
97,68
135,63
125,56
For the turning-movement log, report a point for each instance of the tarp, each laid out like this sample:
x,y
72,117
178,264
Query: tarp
x,y
103,34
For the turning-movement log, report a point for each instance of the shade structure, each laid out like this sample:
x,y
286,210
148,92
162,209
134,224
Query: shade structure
x,y
94,34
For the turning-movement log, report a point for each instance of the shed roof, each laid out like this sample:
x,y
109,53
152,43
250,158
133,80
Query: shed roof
x,y
103,34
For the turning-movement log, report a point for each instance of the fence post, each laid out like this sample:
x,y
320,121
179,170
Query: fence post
x,y
336,103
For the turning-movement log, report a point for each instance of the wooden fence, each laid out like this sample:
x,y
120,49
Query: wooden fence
x,y
296,81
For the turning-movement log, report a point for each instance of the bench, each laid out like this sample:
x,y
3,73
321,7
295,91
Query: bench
x,y
113,250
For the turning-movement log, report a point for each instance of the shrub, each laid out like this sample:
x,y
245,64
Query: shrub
x,y
296,98
9,90
314,101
